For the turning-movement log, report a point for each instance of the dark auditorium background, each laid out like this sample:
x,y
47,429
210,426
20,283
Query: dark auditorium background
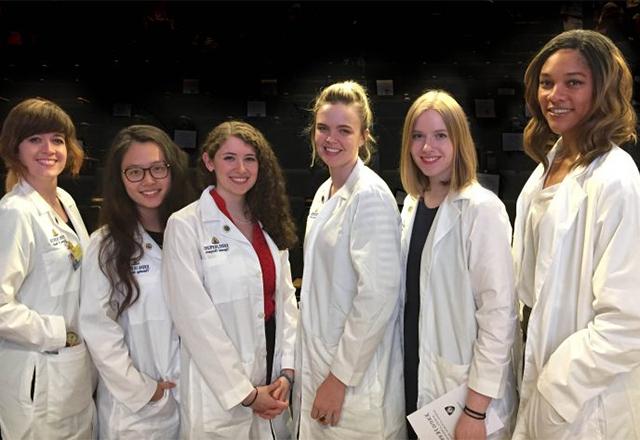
x,y
187,66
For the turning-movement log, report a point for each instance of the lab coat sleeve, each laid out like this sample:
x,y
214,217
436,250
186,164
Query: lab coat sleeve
x,y
491,273
588,361
105,337
19,323
196,318
375,256
290,309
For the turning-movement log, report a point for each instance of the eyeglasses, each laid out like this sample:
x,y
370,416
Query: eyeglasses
x,y
159,170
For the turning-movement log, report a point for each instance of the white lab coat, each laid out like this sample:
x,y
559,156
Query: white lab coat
x,y
133,352
39,300
349,305
467,321
582,359
216,298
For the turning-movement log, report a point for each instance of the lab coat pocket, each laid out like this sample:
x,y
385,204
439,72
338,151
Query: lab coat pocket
x,y
225,282
438,376
543,420
70,384
57,267
151,305
156,420
218,420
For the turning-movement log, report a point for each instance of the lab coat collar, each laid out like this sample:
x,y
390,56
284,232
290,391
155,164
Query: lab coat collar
x,y
149,246
43,208
448,214
564,208
347,189
210,213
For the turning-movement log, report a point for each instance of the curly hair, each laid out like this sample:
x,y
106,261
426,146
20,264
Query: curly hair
x,y
347,93
267,200
36,116
120,245
611,118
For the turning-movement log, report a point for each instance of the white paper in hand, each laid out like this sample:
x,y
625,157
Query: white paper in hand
x,y
437,420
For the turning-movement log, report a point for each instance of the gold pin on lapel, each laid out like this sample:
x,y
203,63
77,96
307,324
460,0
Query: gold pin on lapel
x,y
75,252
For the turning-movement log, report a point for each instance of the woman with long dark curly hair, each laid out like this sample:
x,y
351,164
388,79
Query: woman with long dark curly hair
x,y
228,281
123,311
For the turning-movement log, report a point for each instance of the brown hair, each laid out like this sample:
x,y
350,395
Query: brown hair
x,y
267,199
611,118
464,151
36,116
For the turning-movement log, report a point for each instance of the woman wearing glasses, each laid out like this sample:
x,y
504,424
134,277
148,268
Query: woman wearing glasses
x,y
123,314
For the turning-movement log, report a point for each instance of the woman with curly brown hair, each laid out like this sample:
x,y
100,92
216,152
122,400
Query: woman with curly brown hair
x,y
228,281
575,246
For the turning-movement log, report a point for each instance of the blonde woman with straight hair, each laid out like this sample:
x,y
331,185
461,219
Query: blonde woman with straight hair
x,y
575,245
349,335
459,303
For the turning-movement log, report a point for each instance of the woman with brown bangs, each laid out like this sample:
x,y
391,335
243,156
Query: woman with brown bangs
x,y
575,245
229,289
123,314
46,375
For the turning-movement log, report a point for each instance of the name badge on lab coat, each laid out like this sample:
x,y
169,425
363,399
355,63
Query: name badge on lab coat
x,y
57,239
213,249
138,269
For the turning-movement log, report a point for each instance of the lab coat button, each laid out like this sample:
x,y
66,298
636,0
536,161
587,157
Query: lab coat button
x,y
261,315
226,228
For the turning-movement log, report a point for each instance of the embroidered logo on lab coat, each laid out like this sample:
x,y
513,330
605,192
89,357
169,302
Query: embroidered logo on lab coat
x,y
450,409
57,239
138,269
214,240
211,249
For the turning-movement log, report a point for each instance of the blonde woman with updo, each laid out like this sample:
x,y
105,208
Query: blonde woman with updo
x,y
349,337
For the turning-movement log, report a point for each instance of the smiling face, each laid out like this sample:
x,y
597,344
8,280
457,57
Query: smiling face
x,y
565,92
149,193
236,167
431,147
44,157
338,137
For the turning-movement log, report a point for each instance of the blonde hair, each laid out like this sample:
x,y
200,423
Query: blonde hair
x,y
35,116
611,118
347,93
463,170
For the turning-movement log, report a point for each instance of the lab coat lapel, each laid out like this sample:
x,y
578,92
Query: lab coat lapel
x,y
563,209
154,251
408,218
217,223
44,209
446,218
